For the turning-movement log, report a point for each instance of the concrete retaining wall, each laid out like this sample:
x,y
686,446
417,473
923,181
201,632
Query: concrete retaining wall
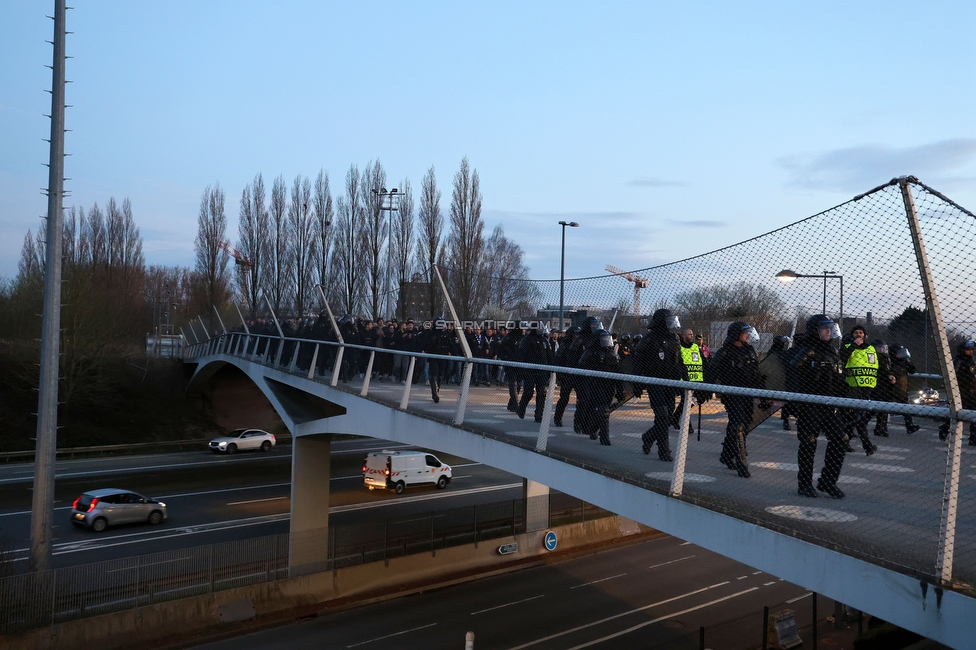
x,y
139,627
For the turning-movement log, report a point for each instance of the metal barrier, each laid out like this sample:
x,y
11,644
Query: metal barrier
x,y
38,599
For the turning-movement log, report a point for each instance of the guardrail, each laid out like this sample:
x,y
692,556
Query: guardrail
x,y
32,600
71,452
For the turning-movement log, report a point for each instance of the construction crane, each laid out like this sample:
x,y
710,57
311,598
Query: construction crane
x,y
239,258
639,283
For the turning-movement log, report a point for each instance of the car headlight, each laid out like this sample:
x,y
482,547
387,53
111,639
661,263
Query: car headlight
x,y
222,444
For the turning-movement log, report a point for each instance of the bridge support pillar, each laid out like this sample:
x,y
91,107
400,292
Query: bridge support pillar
x,y
309,539
536,497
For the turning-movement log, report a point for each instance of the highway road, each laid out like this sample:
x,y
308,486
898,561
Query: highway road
x,y
214,499
654,594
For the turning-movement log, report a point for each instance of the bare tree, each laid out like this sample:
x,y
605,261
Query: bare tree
x,y
113,237
130,256
510,290
251,245
755,303
400,256
348,257
277,285
465,244
211,238
429,245
302,241
93,232
322,205
374,233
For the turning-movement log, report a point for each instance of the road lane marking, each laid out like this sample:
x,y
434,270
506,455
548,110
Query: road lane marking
x,y
755,573
516,602
135,538
742,577
793,600
680,559
663,618
616,616
390,636
240,503
685,544
619,575
766,584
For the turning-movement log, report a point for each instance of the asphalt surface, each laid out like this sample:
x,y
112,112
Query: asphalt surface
x,y
212,499
654,594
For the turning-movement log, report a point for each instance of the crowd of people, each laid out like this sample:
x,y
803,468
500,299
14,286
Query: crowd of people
x,y
818,362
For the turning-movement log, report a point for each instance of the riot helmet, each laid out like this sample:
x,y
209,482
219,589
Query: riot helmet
x,y
664,320
968,344
901,352
638,338
625,338
822,323
738,328
782,343
880,346
605,338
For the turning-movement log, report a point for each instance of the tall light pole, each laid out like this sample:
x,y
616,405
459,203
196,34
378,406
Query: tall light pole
x,y
562,267
389,195
788,275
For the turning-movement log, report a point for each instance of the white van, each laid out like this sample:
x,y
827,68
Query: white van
x,y
397,470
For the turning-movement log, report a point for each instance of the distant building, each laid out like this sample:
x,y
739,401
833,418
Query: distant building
x,y
414,299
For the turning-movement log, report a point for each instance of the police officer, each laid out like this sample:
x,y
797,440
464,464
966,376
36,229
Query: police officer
x,y
819,371
600,357
861,370
534,348
584,420
780,352
659,355
438,340
736,364
691,356
885,391
901,367
566,382
508,351
966,377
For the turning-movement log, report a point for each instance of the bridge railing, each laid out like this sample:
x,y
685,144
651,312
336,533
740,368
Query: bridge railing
x,y
897,261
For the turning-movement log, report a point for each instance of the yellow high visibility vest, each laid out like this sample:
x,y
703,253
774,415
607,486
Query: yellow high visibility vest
x,y
693,362
862,368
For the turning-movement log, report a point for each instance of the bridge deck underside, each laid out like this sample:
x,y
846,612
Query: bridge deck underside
x,y
890,516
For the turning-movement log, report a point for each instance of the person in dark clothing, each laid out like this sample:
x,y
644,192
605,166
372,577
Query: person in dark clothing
x,y
885,391
658,355
439,340
737,364
602,358
781,349
508,351
901,367
534,348
350,334
583,420
566,382
965,368
819,371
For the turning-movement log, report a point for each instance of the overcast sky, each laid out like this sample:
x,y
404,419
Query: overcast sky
x,y
664,129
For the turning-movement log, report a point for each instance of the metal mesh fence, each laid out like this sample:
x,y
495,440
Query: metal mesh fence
x,y
890,481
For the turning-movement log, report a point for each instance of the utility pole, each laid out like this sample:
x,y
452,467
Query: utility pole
x,y
42,504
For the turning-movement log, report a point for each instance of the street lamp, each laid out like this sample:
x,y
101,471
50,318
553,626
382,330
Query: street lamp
x,y
787,275
562,268
392,194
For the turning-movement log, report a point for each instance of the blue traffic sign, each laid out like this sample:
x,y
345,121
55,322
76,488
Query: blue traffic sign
x,y
550,541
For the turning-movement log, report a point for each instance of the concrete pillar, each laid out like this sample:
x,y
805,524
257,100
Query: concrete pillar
x,y
536,497
309,540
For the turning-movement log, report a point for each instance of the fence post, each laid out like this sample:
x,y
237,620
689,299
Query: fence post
x,y
543,440
678,478
950,493
466,380
294,357
369,371
315,360
405,399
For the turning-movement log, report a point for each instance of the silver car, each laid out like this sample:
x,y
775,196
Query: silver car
x,y
242,440
99,509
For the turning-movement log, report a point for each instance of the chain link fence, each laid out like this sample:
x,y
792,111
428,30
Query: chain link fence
x,y
881,411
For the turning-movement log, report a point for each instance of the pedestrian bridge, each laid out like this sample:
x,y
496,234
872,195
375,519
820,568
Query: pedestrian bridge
x,y
884,549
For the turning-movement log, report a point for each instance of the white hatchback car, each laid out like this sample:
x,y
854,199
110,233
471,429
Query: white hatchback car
x,y
242,440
